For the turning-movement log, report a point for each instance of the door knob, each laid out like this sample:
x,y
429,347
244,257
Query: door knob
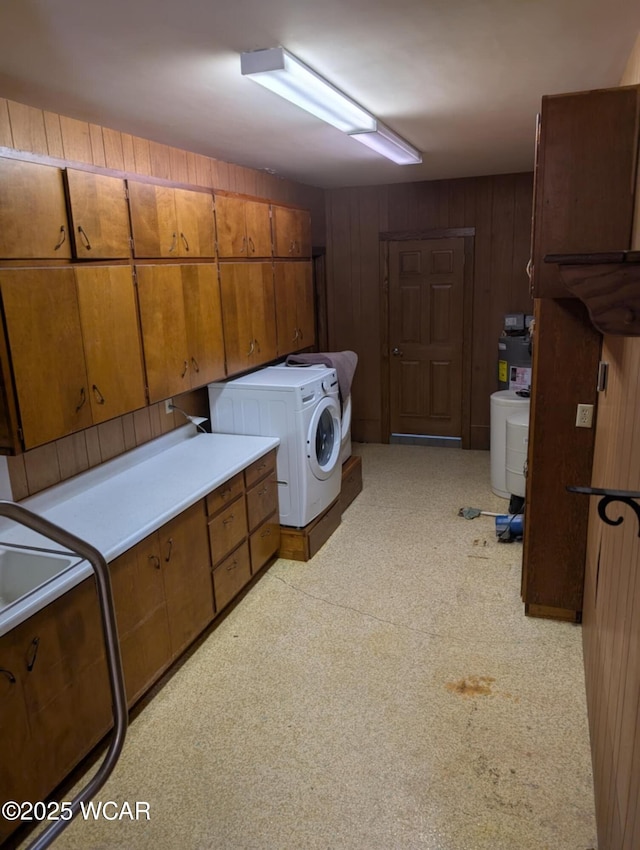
x,y
396,352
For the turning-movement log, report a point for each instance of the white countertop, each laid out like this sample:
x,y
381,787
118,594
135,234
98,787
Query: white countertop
x,y
117,504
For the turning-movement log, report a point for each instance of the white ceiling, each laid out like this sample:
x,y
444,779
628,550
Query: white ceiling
x,y
460,79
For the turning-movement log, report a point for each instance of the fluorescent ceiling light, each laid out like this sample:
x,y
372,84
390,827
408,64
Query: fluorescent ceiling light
x,y
279,71
389,144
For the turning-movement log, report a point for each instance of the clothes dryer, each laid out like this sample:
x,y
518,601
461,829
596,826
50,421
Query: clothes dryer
x,y
301,407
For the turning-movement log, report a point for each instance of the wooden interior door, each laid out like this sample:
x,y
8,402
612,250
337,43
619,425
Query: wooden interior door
x,y
99,215
47,356
203,315
426,336
111,336
164,330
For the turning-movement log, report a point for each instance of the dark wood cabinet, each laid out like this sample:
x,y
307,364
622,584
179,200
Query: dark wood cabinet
x,y
583,202
584,184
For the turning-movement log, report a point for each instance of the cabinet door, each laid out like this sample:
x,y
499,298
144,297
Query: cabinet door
x,y
19,753
112,345
230,227
305,304
286,314
143,627
236,294
47,356
292,232
164,330
153,220
263,312
203,315
258,224
195,223
186,567
99,215
66,682
231,576
33,215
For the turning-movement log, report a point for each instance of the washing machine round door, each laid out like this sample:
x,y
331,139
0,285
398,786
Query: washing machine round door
x,y
323,438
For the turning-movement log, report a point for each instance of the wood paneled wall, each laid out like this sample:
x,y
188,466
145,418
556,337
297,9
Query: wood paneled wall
x,y
67,140
498,207
611,614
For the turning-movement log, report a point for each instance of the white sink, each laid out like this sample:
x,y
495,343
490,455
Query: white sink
x,y
23,572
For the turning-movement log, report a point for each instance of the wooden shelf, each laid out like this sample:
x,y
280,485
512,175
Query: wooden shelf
x,y
609,286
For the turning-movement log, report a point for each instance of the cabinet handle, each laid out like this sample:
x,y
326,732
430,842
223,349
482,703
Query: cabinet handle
x,y
261,466
98,394
300,332
232,565
83,398
252,247
155,560
168,558
33,653
266,532
225,493
291,247
244,245
295,335
61,239
85,238
257,342
263,491
184,371
174,242
251,348
9,675
228,520
184,240
195,364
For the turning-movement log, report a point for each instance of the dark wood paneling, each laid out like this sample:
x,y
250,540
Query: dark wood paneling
x,y
498,208
611,614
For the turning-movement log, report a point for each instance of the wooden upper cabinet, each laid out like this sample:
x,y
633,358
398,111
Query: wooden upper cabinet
x,y
33,215
46,350
584,178
112,344
194,219
248,313
295,312
168,222
203,317
243,227
181,327
74,347
291,232
99,215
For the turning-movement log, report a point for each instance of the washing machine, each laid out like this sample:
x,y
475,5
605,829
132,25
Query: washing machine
x,y
302,408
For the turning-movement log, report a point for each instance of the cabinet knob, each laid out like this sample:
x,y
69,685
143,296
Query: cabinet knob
x,y
228,520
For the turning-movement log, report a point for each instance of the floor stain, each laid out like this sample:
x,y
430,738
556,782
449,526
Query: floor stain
x,y
472,686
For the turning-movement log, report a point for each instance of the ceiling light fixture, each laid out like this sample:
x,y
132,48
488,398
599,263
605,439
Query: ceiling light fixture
x,y
276,69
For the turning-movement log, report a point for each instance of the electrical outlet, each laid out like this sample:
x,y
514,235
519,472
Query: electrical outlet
x,y
584,416
168,406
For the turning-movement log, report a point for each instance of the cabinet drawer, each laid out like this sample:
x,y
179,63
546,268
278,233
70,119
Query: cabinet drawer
x,y
262,500
231,576
227,529
260,468
224,494
264,542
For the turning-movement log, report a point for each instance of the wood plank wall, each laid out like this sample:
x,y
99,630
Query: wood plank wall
x,y
611,614
47,134
498,207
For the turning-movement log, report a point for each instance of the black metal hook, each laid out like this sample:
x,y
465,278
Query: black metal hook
x,y
608,496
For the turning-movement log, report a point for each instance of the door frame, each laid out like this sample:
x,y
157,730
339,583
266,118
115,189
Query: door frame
x,y
468,234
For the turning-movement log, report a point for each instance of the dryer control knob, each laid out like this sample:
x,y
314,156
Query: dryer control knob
x,y
326,387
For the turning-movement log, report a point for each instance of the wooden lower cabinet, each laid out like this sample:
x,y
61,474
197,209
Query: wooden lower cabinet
x,y
245,534
55,702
